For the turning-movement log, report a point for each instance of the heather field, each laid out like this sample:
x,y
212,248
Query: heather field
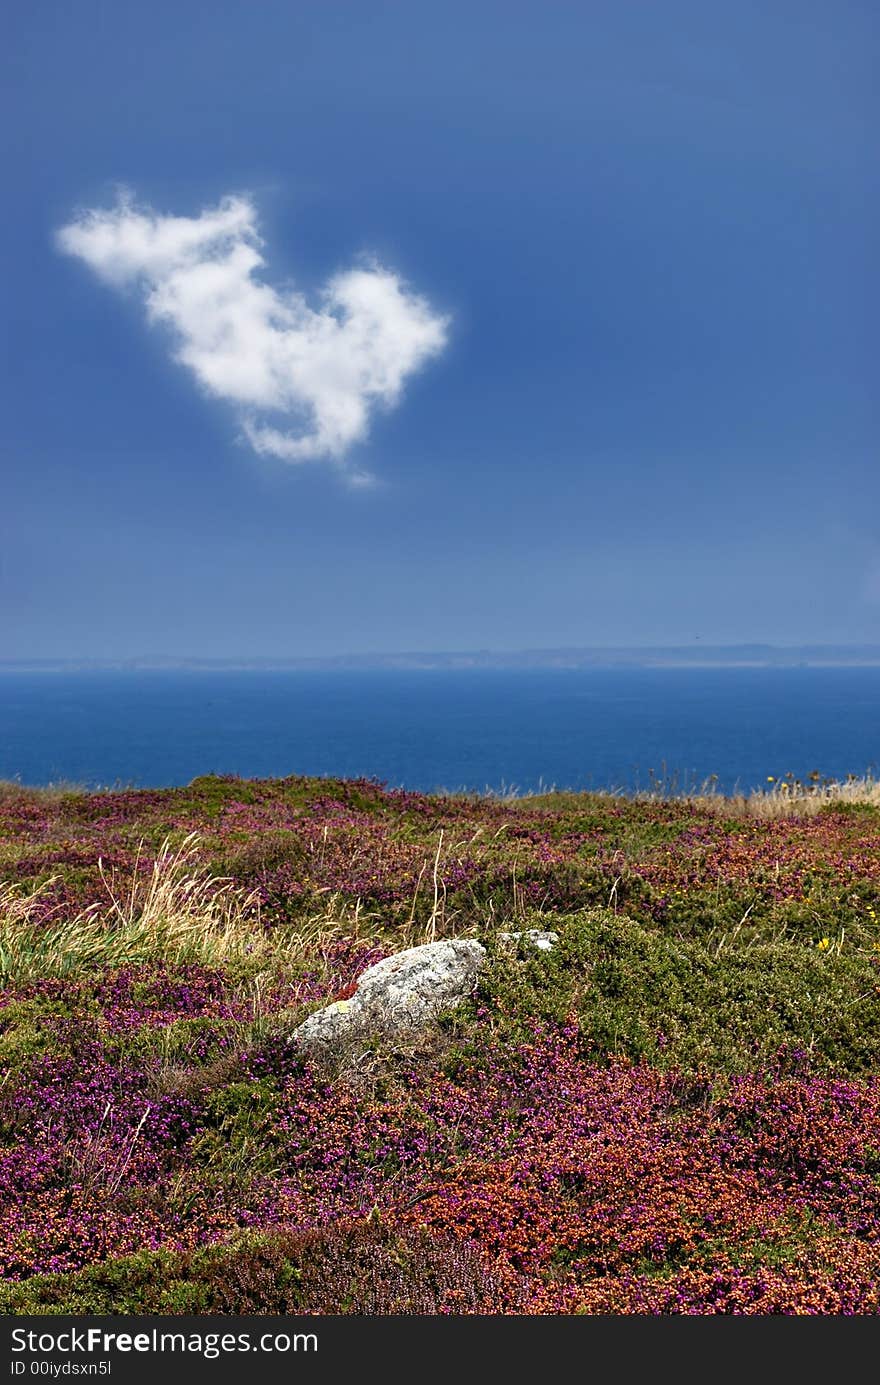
x,y
676,1111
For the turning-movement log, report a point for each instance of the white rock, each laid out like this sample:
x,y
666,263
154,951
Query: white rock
x,y
544,942
402,993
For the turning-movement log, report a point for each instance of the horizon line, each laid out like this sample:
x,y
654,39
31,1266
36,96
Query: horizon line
x,y
753,653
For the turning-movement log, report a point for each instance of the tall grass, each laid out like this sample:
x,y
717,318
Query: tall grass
x,y
172,912
11,790
785,797
792,798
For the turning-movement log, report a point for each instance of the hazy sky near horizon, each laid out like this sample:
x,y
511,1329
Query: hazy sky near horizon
x,y
333,327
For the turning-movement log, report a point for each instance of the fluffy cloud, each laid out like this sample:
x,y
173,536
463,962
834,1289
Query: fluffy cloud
x,y
304,380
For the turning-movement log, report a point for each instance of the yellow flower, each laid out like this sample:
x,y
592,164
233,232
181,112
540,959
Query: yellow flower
x,y
823,944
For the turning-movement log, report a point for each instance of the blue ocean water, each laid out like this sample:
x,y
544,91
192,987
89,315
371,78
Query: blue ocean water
x,y
452,730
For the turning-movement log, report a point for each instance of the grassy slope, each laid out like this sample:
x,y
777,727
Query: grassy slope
x,y
678,1110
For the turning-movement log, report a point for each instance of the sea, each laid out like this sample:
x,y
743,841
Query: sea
x,y
442,730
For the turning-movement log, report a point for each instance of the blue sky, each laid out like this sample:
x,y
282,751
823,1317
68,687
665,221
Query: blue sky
x,y
558,326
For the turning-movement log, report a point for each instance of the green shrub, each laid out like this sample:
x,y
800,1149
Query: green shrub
x,y
362,1267
682,1001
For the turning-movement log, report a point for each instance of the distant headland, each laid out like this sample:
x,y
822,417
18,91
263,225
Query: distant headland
x,y
695,655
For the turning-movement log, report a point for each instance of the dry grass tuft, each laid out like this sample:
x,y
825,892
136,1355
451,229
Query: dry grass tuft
x,y
173,912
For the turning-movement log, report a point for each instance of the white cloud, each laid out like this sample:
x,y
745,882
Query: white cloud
x,y
304,380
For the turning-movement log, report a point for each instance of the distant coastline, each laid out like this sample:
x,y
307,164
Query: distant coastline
x,y
610,657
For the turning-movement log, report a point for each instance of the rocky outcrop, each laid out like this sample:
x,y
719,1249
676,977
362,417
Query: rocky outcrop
x,y
406,991
399,995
